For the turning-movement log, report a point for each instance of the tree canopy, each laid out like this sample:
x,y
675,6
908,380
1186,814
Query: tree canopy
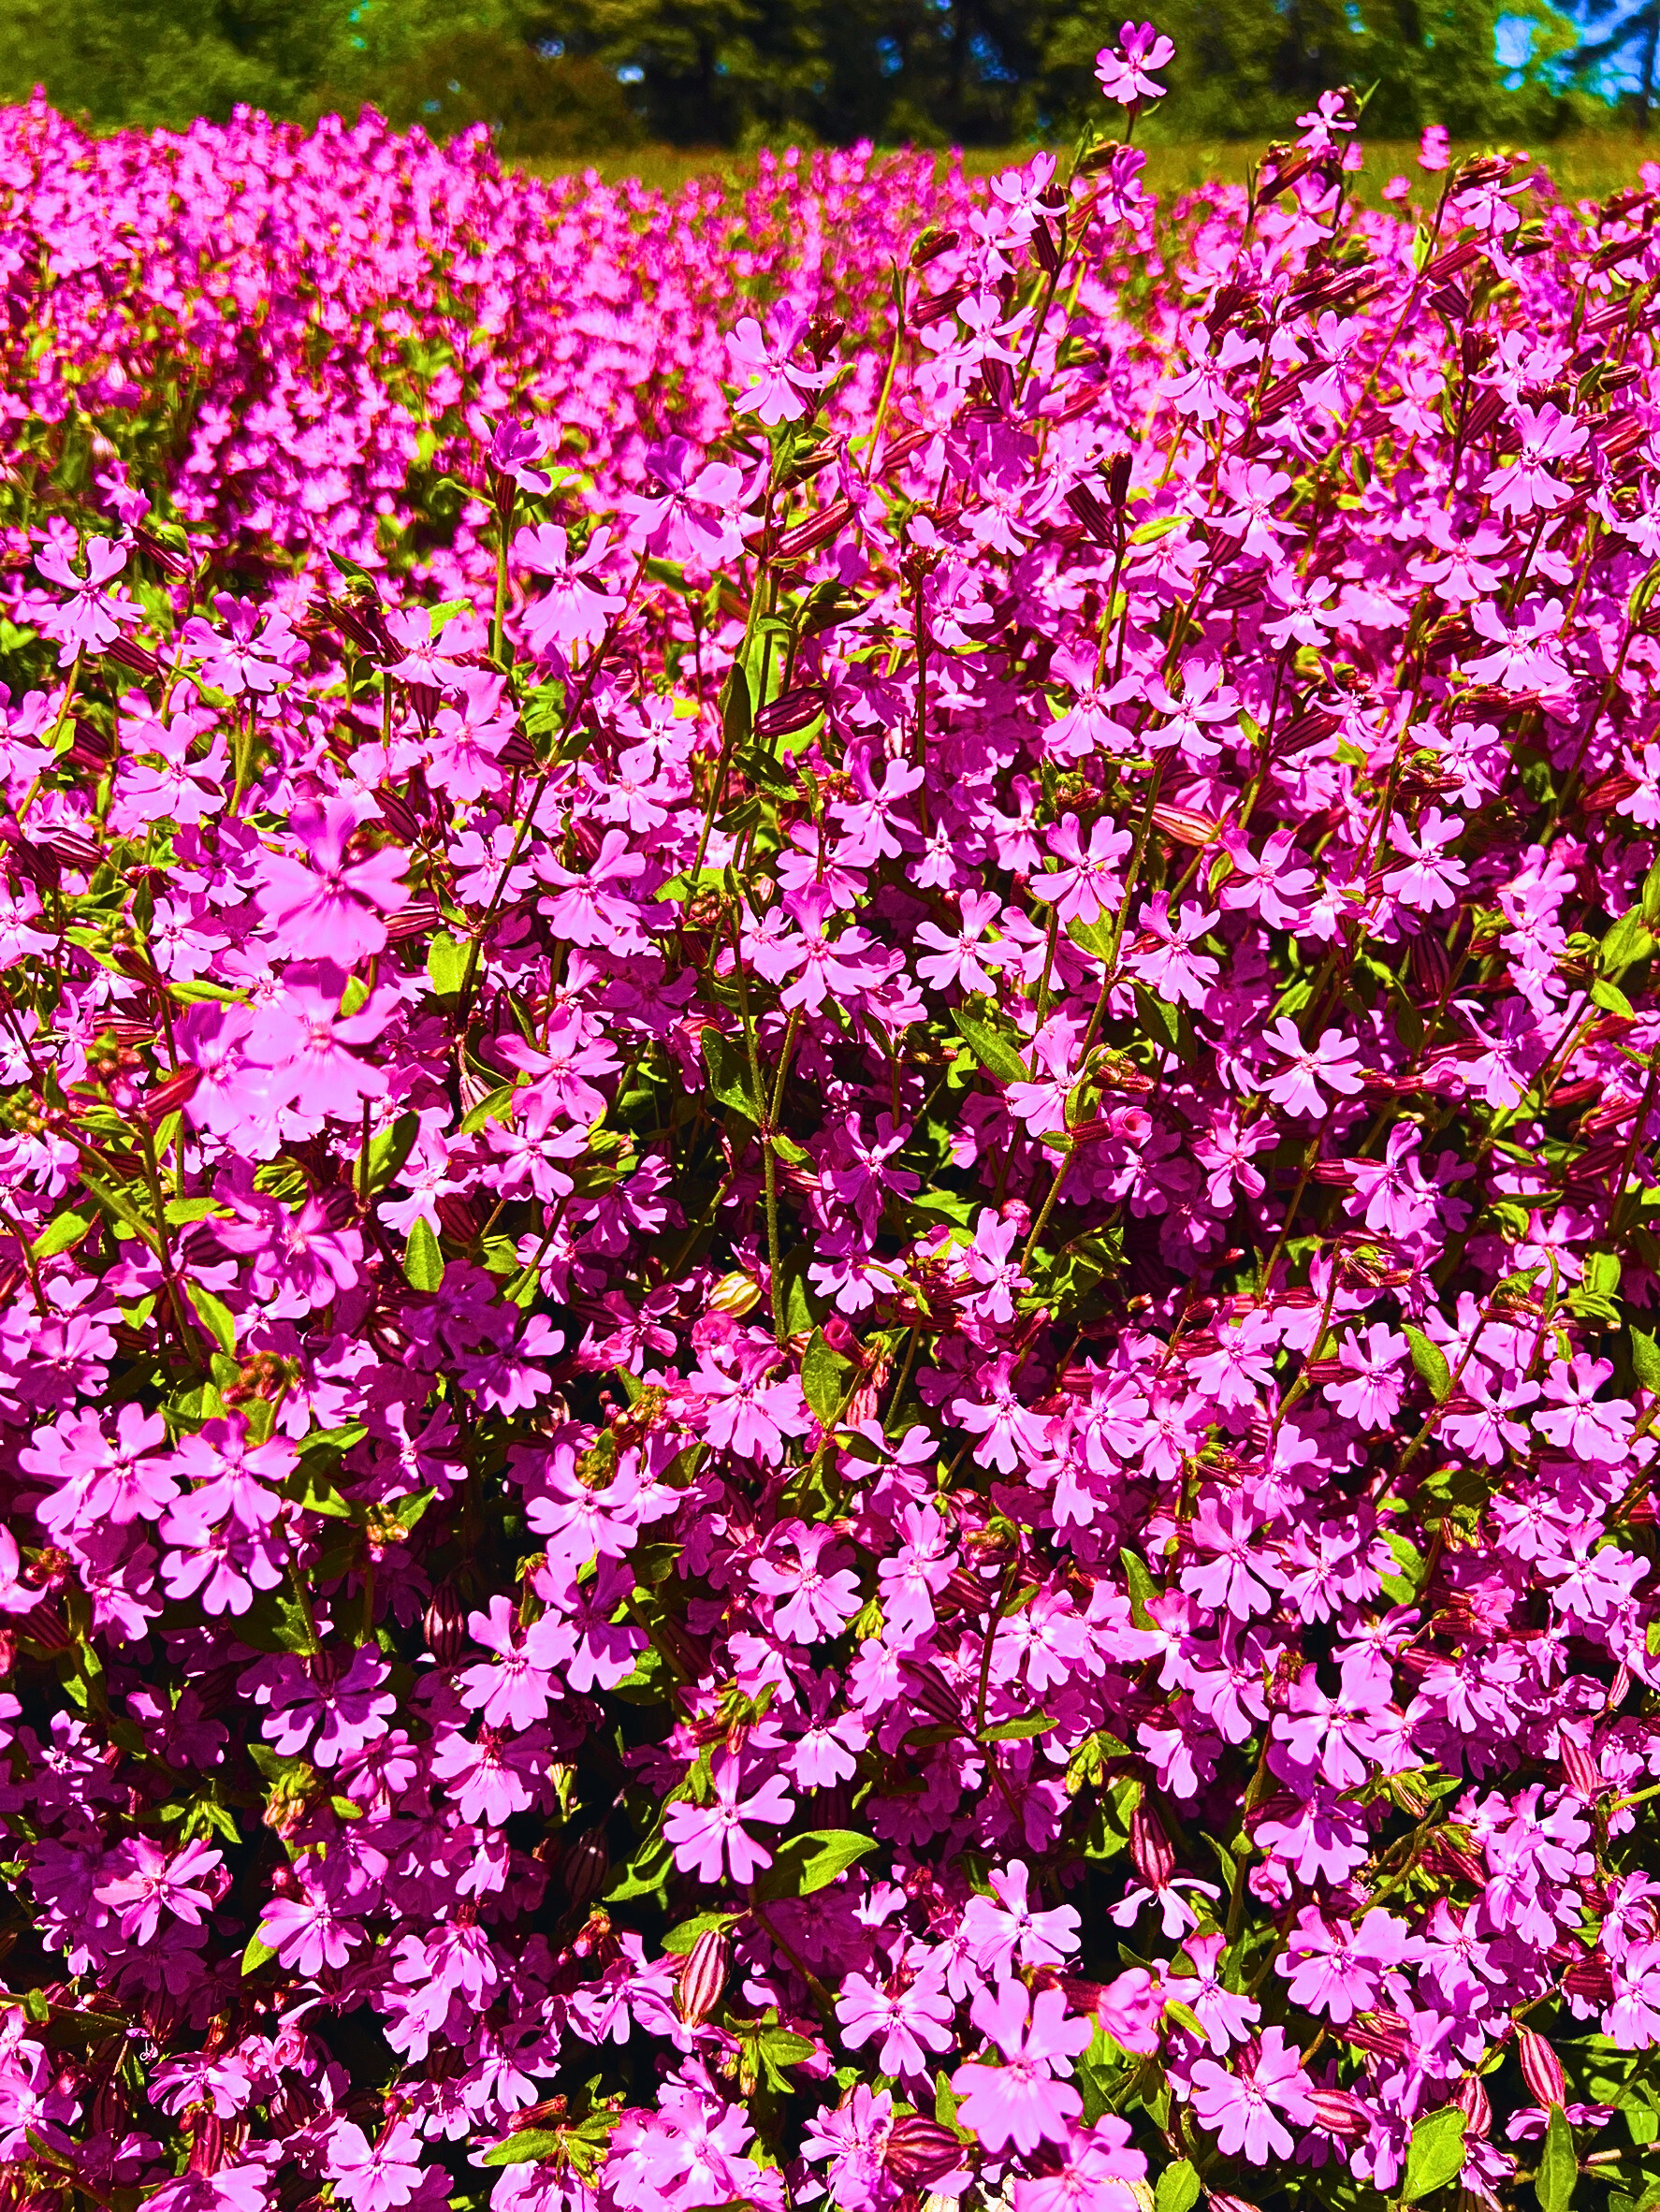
x,y
585,75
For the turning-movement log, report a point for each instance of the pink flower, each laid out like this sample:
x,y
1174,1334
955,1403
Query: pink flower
x,y
709,1838
1240,2108
332,909
577,606
779,389
374,2177
912,2015
157,1881
1022,2102
1297,1087
1122,72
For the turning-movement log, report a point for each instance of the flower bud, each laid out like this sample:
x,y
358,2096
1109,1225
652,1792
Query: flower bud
x,y
1580,1765
736,1293
1542,2069
1150,1849
443,1624
1472,2101
703,1977
1338,2114
584,1868
932,1692
207,2143
921,2150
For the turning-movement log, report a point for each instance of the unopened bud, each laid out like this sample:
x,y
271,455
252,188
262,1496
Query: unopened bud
x,y
932,1692
1119,470
584,1868
1185,825
1542,2069
703,1977
1472,2101
441,1624
1150,1849
920,2150
1337,2113
206,2144
735,1294
1580,1768
1430,966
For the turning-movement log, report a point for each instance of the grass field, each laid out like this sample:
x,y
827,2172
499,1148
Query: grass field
x,y
1585,167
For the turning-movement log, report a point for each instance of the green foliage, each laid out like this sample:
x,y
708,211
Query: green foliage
x,y
571,78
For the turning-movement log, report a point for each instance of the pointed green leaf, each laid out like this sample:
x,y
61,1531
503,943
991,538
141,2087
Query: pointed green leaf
x,y
811,1861
1559,2165
1435,2154
1178,2188
823,1378
423,1262
1431,1364
995,1051
216,1318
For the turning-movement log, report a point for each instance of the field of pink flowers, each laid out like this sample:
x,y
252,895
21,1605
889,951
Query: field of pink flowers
x,y
829,1217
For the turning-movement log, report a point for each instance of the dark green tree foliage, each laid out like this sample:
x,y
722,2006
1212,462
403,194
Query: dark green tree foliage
x,y
557,77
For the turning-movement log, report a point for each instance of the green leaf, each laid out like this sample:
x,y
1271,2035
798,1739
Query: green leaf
x,y
1559,2165
1612,999
680,1939
256,1955
1185,2016
447,965
811,1861
1629,940
529,2144
1178,2188
1431,1364
994,1052
388,1151
1645,1359
498,1106
1148,533
216,1318
823,1376
275,1622
645,1874
1031,1723
1094,937
1435,2154
1142,1589
60,1232
738,713
728,1069
423,1262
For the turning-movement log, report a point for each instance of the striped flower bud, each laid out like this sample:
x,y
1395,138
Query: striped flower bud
x,y
207,2143
1472,2101
920,2150
584,1868
443,1624
1150,1849
1580,1768
1337,2113
703,1977
1542,2069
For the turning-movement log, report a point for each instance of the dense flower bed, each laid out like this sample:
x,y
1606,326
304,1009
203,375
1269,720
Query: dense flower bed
x,y
828,1211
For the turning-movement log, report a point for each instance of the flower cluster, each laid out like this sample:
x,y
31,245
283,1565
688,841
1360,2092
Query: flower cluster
x,y
828,1181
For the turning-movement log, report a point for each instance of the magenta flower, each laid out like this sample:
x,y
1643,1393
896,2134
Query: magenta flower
x,y
1298,1086
1022,2102
711,1839
330,908
1240,2108
374,2177
1122,72
912,2015
156,1882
